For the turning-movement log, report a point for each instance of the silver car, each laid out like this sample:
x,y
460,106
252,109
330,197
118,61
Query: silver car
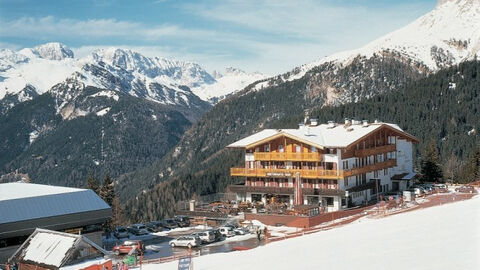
x,y
186,241
206,236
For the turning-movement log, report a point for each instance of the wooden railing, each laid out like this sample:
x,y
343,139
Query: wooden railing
x,y
373,167
375,151
312,174
261,172
266,156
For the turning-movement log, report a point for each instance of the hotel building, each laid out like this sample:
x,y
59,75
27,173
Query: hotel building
x,y
337,165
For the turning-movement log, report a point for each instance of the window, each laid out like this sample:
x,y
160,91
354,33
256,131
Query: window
x,y
313,149
345,165
298,149
266,148
375,174
346,182
329,201
385,171
280,148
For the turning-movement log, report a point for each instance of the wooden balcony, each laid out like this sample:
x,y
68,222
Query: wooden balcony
x,y
311,174
277,156
284,190
369,168
375,151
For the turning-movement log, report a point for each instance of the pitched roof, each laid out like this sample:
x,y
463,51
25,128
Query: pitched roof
x,y
24,201
52,248
322,135
20,190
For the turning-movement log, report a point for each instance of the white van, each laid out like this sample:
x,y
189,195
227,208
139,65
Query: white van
x,y
206,236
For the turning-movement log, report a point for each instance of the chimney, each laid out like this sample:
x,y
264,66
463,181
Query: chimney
x,y
365,123
376,121
347,122
330,124
313,122
301,126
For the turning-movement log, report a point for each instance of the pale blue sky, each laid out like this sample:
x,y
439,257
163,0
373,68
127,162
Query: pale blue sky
x,y
271,36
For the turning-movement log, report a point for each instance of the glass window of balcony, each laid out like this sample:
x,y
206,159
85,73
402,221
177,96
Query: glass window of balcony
x,y
280,148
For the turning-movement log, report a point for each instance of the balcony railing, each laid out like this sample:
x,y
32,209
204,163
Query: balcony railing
x,y
375,151
261,172
267,156
312,174
373,167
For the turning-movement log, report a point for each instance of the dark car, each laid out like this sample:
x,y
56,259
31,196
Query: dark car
x,y
155,226
182,221
138,229
218,235
120,232
170,223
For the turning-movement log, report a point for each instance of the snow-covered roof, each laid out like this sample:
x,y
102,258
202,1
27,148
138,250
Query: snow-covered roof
x,y
55,249
266,133
49,249
323,135
19,190
24,201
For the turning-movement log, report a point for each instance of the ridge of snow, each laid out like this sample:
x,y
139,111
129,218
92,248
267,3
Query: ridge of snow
x,y
445,36
231,81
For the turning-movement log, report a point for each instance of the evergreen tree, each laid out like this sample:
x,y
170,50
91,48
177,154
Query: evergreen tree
x,y
117,213
107,192
472,170
431,170
93,184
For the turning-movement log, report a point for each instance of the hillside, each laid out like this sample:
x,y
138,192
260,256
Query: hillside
x,y
445,36
61,136
200,163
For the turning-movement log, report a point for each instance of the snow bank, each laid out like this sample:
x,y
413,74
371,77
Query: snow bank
x,y
442,237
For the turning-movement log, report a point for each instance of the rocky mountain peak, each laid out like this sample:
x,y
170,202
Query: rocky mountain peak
x,y
51,51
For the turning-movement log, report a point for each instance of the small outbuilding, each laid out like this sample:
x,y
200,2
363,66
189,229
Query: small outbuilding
x,y
53,250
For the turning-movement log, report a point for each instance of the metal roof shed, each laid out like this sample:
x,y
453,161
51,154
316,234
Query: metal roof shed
x,y
24,207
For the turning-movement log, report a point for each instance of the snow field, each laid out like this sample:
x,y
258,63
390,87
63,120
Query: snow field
x,y
441,237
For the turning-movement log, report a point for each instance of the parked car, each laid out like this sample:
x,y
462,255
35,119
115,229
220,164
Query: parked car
x,y
440,186
128,246
218,236
155,226
418,190
186,241
465,189
138,229
241,231
226,231
182,221
170,223
121,232
206,236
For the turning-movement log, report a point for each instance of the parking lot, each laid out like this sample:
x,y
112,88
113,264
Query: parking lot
x,y
157,244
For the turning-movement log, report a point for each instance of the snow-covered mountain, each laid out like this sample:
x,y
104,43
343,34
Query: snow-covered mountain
x,y
228,82
447,35
164,81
